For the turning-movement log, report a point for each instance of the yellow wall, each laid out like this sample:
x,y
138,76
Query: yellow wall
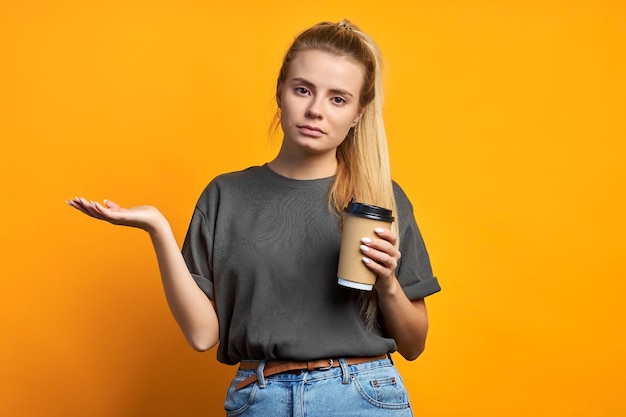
x,y
507,128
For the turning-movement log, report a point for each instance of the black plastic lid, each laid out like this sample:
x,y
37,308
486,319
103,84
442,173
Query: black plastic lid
x,y
369,211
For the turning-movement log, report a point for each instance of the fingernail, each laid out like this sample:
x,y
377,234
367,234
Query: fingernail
x,y
364,248
366,260
366,240
379,230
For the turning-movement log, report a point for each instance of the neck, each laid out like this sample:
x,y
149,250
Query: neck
x,y
310,167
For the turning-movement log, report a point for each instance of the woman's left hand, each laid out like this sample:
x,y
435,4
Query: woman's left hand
x,y
381,256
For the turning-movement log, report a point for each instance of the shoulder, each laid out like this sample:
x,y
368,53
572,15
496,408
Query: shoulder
x,y
230,183
402,200
252,173
235,179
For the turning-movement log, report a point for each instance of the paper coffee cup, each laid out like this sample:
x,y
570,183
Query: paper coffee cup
x,y
360,220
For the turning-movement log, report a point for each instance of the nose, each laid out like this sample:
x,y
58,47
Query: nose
x,y
313,110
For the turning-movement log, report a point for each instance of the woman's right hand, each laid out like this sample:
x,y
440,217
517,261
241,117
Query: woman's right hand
x,y
143,217
194,312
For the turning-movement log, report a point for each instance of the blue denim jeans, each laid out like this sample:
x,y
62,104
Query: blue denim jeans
x,y
368,389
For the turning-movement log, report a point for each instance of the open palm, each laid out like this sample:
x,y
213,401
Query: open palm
x,y
143,217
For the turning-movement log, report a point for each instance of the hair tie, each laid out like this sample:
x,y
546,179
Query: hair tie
x,y
345,24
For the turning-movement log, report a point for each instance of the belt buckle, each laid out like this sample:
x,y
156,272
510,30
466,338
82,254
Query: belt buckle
x,y
326,368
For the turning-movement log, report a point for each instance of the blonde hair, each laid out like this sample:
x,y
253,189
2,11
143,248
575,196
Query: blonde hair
x,y
363,171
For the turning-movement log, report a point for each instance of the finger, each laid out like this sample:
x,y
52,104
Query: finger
x,y
379,269
77,205
387,260
389,235
111,204
80,203
380,245
98,207
106,213
90,207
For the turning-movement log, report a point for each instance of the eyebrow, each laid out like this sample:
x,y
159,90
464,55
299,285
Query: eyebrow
x,y
333,90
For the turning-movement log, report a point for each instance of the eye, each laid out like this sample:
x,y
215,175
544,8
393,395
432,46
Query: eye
x,y
301,90
338,100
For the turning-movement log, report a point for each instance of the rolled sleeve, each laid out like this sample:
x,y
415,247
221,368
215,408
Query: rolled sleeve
x,y
414,270
422,289
197,253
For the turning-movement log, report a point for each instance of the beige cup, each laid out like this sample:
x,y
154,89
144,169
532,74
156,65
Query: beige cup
x,y
360,220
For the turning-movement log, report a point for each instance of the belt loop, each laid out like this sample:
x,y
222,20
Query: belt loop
x,y
259,374
345,373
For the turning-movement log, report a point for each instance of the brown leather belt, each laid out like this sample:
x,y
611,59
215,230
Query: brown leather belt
x,y
278,367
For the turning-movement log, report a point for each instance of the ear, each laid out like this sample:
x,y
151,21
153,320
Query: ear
x,y
358,118
278,93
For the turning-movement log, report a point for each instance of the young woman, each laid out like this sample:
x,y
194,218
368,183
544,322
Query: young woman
x,y
258,270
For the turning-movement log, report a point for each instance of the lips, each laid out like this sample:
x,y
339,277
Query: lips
x,y
310,130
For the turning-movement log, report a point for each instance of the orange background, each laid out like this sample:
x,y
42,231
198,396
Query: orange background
x,y
507,129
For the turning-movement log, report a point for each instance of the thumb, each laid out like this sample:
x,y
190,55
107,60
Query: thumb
x,y
111,204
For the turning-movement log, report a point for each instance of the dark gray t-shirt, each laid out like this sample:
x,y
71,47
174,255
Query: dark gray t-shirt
x,y
265,248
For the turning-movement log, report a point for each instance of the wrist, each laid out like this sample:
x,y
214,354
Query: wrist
x,y
157,226
388,287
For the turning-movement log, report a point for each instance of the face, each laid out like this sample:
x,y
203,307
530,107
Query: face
x,y
319,102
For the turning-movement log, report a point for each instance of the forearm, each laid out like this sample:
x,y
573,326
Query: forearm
x,y
191,308
405,320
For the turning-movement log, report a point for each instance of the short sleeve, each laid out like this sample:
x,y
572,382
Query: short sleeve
x,y
197,250
414,270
